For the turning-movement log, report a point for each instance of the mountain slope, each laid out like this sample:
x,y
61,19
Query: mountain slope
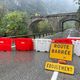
x,y
42,7
31,6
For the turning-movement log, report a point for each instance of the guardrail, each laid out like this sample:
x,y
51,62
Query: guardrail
x,y
35,35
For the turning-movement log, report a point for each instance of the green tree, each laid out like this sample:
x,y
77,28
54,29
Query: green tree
x,y
3,10
78,15
44,27
77,2
41,27
69,24
14,23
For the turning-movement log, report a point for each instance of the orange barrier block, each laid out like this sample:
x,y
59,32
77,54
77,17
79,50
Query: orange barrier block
x,y
24,44
5,44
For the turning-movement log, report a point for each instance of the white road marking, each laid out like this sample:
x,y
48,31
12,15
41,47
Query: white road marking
x,y
55,75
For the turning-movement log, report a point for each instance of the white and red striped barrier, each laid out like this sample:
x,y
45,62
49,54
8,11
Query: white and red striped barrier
x,y
43,45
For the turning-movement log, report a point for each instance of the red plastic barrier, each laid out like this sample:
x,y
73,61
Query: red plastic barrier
x,y
62,40
74,38
24,44
5,44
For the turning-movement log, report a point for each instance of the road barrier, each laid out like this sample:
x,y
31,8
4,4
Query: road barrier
x,y
77,47
5,44
62,40
76,43
42,45
23,44
73,38
29,44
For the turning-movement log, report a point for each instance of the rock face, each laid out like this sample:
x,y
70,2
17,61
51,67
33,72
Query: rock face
x,y
29,6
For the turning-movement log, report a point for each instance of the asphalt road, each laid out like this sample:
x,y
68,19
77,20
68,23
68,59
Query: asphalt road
x,y
23,65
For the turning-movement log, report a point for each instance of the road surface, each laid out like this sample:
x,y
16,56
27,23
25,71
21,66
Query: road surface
x,y
29,65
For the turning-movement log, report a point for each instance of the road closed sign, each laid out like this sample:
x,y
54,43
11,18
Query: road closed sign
x,y
59,67
61,51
